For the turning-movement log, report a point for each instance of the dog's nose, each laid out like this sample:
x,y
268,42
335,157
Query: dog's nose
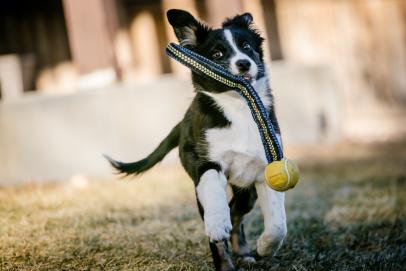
x,y
243,64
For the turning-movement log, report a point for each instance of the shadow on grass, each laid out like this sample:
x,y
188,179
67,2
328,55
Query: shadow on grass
x,y
315,245
344,215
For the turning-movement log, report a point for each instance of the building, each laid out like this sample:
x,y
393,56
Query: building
x,y
61,48
340,65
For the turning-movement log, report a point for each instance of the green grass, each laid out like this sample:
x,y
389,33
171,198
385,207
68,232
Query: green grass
x,y
347,213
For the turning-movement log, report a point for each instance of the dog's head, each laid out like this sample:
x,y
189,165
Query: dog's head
x,y
237,46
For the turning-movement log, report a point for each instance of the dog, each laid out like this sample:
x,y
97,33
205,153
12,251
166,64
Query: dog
x,y
219,142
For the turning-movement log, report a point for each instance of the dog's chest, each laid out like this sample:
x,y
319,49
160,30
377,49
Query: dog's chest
x,y
238,148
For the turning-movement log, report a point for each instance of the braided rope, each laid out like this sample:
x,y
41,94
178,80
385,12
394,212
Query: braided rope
x,y
206,67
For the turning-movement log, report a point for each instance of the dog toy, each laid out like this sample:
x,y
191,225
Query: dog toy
x,y
281,173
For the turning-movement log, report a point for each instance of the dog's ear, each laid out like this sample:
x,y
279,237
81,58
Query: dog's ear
x,y
242,21
245,21
187,29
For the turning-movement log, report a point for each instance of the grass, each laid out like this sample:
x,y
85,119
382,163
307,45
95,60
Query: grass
x,y
347,213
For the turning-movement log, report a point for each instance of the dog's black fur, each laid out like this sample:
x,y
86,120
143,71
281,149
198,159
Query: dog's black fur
x,y
203,114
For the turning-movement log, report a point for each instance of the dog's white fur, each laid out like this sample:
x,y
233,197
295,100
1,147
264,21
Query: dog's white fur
x,y
239,150
272,205
239,56
211,192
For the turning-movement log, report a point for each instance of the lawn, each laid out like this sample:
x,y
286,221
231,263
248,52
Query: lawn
x,y
347,213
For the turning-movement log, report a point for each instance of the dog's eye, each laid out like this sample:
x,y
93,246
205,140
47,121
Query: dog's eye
x,y
217,55
246,46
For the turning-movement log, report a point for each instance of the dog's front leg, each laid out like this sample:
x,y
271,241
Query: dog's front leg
x,y
211,194
272,205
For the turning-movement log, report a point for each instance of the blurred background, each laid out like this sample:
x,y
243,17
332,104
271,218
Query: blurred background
x,y
79,78
82,78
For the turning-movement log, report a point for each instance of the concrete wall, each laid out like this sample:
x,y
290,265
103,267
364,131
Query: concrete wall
x,y
55,137
52,137
307,102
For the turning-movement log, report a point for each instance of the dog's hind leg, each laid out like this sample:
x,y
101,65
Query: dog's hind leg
x,y
221,256
214,209
242,203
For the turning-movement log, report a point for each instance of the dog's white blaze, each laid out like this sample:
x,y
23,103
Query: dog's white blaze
x,y
238,55
211,192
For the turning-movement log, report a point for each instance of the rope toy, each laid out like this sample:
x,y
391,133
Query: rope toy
x,y
281,173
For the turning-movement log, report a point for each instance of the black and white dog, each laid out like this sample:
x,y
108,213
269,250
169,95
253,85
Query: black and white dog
x,y
219,143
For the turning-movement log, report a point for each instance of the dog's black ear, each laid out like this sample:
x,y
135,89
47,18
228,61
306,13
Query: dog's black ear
x,y
187,29
245,21
242,21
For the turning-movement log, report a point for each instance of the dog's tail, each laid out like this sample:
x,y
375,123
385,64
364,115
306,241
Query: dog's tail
x,y
170,142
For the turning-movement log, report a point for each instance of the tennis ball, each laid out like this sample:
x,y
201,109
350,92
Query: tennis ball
x,y
282,175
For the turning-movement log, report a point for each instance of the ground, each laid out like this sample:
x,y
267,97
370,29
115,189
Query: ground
x,y
347,213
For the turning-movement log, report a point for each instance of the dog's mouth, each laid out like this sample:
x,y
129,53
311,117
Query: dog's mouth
x,y
247,77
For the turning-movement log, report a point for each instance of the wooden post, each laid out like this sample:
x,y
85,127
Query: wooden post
x,y
11,78
91,28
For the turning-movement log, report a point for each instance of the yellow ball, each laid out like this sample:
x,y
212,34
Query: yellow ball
x,y
282,175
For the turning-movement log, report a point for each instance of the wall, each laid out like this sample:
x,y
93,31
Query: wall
x,y
51,137
47,137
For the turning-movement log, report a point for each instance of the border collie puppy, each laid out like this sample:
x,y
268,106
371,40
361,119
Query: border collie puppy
x,y
219,143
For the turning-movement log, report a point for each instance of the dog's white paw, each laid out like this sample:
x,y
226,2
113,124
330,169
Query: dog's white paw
x,y
218,225
271,240
249,259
